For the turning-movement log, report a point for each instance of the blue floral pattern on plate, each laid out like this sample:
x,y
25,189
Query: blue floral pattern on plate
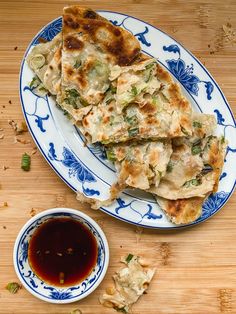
x,y
185,73
49,32
75,168
95,177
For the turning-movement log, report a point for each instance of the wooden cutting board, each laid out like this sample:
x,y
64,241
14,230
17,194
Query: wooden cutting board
x,y
196,267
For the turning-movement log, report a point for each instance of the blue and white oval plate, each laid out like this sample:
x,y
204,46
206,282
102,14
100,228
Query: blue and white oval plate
x,y
86,169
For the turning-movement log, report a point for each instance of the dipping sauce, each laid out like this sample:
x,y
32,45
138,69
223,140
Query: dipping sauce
x,y
62,252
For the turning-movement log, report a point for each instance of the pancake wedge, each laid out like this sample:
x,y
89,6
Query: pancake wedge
x,y
91,46
181,211
45,61
140,165
139,110
194,169
130,284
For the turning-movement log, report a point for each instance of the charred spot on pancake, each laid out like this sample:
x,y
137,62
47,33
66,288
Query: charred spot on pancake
x,y
41,40
89,14
135,52
117,32
214,155
103,137
184,122
110,109
152,121
89,28
154,157
81,80
162,74
73,43
176,99
183,104
128,58
85,122
70,22
88,65
120,151
175,207
123,60
69,71
110,39
106,119
149,108
50,67
133,169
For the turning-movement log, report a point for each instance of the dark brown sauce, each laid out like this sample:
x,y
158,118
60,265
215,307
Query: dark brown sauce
x,y
62,252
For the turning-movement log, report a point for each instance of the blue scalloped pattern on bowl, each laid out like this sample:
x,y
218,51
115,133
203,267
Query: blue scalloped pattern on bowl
x,y
42,288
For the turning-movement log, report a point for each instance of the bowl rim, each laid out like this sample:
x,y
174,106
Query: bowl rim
x,y
53,211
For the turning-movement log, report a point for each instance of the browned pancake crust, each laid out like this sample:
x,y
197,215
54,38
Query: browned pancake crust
x,y
182,211
121,46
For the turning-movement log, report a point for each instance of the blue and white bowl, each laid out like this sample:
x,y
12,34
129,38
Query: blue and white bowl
x,y
41,289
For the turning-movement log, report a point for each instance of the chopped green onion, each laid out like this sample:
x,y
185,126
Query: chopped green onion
x,y
72,92
111,155
196,150
101,69
134,90
194,182
207,168
112,118
77,64
109,100
133,132
222,140
37,61
164,98
131,120
83,102
61,278
13,287
197,124
155,100
120,309
112,89
129,258
148,76
35,82
184,131
72,96
149,66
25,162
169,167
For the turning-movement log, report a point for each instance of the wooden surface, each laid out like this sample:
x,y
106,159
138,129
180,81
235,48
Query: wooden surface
x,y
196,268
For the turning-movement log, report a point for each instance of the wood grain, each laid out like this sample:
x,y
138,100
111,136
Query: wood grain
x,y
196,268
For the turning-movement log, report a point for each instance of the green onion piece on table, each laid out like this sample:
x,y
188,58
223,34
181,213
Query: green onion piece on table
x,y
129,258
25,162
13,287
